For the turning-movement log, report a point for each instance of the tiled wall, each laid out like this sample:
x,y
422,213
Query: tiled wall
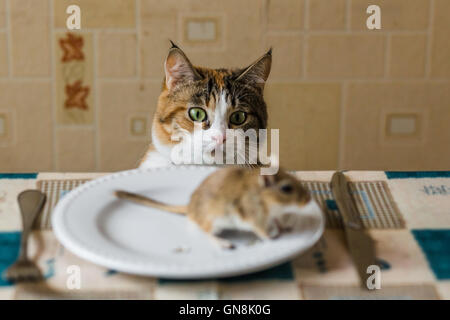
x,y
341,95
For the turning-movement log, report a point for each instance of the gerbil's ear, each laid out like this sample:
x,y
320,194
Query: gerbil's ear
x,y
178,68
258,72
267,180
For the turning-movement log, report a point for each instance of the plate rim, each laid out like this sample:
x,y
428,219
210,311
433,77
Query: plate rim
x,y
93,255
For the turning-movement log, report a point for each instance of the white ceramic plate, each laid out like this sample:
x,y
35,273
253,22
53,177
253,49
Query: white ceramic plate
x,y
93,224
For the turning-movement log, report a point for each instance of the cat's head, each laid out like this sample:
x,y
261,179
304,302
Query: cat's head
x,y
208,101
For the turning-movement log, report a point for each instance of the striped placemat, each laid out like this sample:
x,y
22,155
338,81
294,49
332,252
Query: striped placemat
x,y
372,198
54,189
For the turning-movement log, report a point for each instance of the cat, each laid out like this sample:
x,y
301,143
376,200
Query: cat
x,y
208,101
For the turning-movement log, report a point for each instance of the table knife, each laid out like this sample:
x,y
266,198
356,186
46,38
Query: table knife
x,y
359,242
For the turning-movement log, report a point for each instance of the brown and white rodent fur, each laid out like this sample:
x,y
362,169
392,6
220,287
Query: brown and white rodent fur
x,y
238,198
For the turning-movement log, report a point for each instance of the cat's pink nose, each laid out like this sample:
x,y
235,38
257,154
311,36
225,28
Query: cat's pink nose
x,y
219,139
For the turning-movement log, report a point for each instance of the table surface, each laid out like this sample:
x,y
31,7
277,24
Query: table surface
x,y
406,213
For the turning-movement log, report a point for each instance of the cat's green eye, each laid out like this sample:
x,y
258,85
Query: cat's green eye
x,y
238,117
197,114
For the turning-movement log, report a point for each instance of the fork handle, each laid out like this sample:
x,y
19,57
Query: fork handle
x,y
31,203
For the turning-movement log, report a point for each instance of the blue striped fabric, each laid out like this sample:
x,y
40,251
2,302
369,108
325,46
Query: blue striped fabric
x,y
417,174
9,251
18,175
435,243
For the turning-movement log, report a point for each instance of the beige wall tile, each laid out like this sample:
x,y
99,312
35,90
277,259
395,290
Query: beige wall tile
x,y
441,20
74,72
327,15
117,54
331,56
199,31
242,32
395,14
307,116
388,124
158,25
2,13
368,147
408,55
75,150
30,147
30,37
3,54
119,102
285,14
440,59
98,13
7,125
286,47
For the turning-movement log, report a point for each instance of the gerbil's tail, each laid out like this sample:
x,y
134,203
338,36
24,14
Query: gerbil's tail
x,y
150,202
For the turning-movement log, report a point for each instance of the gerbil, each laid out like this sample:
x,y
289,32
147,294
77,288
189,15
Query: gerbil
x,y
238,198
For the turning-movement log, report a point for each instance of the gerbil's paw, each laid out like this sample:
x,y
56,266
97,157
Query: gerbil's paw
x,y
223,243
275,235
275,230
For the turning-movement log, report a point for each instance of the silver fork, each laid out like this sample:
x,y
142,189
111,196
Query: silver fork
x,y
31,203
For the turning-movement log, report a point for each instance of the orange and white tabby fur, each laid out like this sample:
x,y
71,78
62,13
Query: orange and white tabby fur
x,y
214,99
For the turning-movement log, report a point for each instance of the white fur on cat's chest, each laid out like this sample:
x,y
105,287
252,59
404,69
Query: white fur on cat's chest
x,y
154,159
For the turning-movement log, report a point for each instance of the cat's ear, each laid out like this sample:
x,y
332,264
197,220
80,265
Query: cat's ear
x,y
258,72
178,68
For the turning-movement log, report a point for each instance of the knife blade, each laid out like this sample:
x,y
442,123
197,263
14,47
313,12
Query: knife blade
x,y
359,242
